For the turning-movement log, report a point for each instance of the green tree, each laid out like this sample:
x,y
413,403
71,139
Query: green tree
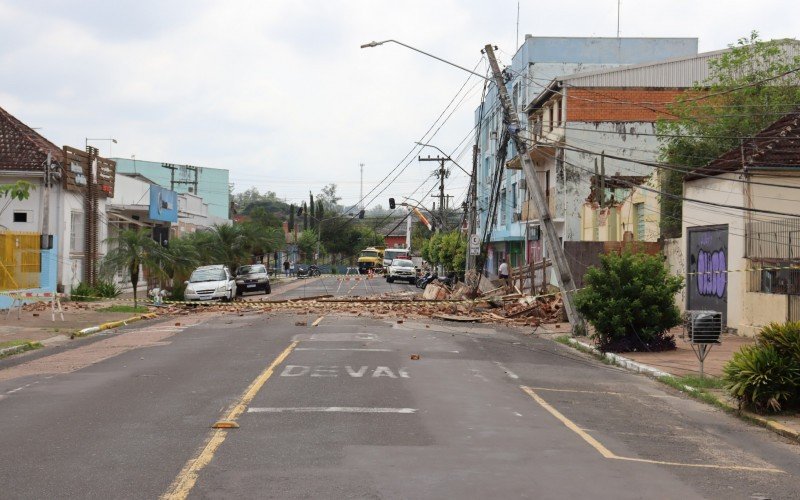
x,y
329,198
749,88
130,250
446,249
291,218
20,190
307,242
630,301
313,208
229,245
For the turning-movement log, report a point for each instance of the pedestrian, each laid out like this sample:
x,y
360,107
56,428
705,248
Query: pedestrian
x,y
502,271
286,268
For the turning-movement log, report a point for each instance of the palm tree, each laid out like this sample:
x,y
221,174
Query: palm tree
x,y
130,250
179,258
229,245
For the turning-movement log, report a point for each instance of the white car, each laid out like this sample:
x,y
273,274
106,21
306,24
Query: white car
x,y
401,270
210,283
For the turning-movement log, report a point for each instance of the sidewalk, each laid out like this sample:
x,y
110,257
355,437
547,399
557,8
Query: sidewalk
x,y
35,323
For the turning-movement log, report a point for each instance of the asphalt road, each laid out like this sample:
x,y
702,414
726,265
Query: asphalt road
x,y
342,409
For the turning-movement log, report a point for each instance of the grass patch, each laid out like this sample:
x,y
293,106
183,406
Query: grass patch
x,y
698,388
566,340
24,345
123,309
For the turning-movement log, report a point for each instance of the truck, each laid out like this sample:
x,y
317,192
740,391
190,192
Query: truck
x,y
370,259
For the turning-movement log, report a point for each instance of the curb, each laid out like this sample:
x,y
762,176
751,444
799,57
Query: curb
x,y
16,349
633,366
113,324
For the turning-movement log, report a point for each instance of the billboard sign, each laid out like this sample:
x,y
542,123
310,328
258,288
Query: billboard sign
x,y
707,283
163,204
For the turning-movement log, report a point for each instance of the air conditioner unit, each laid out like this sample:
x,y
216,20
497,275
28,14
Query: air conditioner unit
x,y
703,327
516,216
523,184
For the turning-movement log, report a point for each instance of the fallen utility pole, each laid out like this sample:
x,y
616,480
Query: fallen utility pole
x,y
559,258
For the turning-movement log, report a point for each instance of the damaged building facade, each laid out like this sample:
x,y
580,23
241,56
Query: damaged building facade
x,y
506,222
596,147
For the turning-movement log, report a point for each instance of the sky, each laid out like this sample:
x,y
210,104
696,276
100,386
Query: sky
x,y
279,92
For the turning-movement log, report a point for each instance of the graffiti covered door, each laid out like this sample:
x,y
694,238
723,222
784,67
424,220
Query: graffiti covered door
x,y
707,282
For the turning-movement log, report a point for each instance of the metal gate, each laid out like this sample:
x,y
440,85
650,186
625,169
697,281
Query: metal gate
x,y
794,308
20,260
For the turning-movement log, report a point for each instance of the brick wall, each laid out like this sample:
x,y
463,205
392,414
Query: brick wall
x,y
619,104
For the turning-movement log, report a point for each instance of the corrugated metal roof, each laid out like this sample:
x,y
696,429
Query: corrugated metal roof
x,y
681,72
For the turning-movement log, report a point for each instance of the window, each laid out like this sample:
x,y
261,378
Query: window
x,y
550,117
503,207
639,209
20,216
547,186
76,236
514,196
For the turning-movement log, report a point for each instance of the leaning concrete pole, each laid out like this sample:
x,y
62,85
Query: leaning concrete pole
x,y
559,258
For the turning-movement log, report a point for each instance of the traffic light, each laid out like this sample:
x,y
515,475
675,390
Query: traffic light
x,y
391,203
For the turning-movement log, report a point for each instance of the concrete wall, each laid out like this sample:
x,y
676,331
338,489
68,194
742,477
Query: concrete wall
x,y
746,311
674,252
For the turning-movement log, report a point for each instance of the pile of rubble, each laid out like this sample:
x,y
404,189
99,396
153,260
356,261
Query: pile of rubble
x,y
444,304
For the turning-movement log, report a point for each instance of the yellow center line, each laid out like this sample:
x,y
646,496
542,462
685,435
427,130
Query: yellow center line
x,y
608,454
187,477
318,321
569,423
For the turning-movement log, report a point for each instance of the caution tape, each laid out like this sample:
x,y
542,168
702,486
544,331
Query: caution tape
x,y
747,270
34,295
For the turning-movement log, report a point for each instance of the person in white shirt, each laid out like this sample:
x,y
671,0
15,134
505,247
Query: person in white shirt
x,y
502,271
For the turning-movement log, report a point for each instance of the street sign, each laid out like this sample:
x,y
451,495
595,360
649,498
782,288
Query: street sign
x,y
474,245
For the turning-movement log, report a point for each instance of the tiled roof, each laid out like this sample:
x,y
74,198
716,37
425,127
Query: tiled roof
x,y
776,146
21,147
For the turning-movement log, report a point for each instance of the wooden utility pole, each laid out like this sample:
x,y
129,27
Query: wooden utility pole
x,y
472,220
559,258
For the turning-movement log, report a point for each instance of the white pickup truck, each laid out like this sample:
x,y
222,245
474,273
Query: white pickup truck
x,y
401,270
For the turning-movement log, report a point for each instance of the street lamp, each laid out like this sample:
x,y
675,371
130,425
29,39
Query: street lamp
x,y
86,142
375,44
445,154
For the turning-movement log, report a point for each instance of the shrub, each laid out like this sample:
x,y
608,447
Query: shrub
x,y
82,293
107,289
629,301
785,338
177,292
760,378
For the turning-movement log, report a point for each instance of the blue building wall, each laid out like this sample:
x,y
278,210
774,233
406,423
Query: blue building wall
x,y
536,63
48,275
212,182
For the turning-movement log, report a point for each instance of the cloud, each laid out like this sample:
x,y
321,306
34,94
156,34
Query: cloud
x,y
279,93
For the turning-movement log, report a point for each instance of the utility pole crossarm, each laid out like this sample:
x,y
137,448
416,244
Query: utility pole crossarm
x,y
559,258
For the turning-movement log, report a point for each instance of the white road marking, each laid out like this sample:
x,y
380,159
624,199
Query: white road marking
x,y
331,409
333,371
342,349
508,372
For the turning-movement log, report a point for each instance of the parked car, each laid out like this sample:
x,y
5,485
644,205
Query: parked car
x,y
305,270
401,269
210,283
252,278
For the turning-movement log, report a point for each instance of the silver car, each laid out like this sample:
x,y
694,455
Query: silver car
x,y
210,283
